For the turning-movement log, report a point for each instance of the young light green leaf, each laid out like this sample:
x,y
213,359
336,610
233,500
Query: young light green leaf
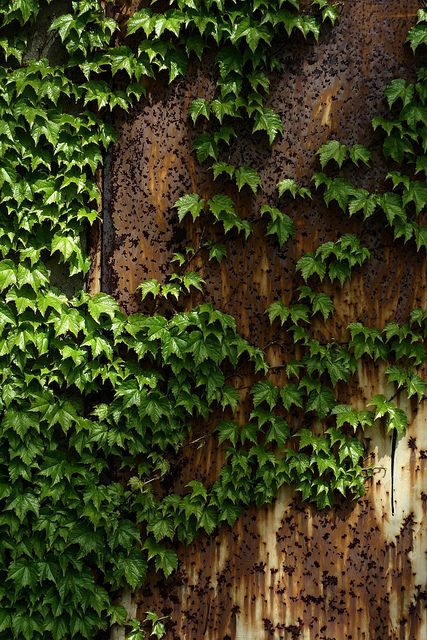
x,y
279,310
149,287
192,279
332,150
222,204
415,385
190,203
289,184
102,303
8,275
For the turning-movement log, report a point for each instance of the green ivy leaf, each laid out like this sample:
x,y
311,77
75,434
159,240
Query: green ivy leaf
x,y
134,568
363,201
359,153
247,176
352,449
22,504
6,315
398,89
416,192
278,432
395,418
421,236
417,36
332,150
286,185
323,304
222,108
24,573
391,204
230,398
329,12
149,286
291,186
309,439
321,402
310,265
339,190
280,225
291,395
267,120
165,560
299,312
66,246
161,528
217,252
252,34
398,420
206,147
199,107
415,385
228,430
395,147
176,63
7,274
223,210
101,303
279,310
264,391
190,203
355,418
63,24
192,279
219,168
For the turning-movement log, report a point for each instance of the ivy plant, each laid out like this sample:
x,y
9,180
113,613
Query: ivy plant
x,y
94,404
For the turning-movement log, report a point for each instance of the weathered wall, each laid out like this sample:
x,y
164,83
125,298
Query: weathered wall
x,y
357,572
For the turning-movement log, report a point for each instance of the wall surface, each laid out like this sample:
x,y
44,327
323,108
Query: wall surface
x,y
285,572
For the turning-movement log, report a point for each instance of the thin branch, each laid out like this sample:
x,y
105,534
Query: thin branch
x,y
197,251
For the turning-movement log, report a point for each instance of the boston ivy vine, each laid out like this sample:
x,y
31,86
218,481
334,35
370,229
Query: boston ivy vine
x,y
95,404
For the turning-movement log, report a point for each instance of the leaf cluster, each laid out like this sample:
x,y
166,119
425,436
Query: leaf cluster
x,y
96,406
334,259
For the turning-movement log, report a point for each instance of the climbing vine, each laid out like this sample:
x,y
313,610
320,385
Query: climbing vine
x,y
95,404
